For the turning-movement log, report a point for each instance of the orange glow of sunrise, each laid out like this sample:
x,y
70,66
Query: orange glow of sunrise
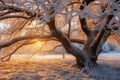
x,y
39,44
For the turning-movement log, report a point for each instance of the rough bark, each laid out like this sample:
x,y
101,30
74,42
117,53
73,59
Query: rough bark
x,y
95,39
81,57
92,46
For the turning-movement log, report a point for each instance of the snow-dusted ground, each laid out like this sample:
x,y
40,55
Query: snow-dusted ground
x,y
54,67
110,56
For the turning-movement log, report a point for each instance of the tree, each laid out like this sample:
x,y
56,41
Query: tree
x,y
53,20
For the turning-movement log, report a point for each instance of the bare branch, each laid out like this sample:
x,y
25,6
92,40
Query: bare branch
x,y
13,16
8,56
78,2
14,40
2,2
5,13
85,28
97,39
21,26
102,41
52,49
77,41
88,1
69,29
18,9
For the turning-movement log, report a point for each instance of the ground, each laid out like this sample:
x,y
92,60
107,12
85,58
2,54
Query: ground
x,y
54,67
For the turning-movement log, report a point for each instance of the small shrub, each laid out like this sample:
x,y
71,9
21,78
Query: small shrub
x,y
108,47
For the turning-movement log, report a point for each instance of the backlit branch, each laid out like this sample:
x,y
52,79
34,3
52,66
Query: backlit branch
x,y
13,16
8,56
21,26
14,40
5,13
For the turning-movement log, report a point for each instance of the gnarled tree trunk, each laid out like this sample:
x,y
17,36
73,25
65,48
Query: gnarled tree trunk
x,y
95,38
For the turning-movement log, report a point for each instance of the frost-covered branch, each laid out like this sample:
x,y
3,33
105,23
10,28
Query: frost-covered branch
x,y
14,40
8,56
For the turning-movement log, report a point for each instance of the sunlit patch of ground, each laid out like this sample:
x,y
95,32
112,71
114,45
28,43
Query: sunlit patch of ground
x,y
54,67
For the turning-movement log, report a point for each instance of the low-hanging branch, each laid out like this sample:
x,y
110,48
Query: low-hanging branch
x,y
13,16
8,56
7,12
14,40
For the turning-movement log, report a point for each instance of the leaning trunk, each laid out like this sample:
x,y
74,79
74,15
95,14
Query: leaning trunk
x,y
81,57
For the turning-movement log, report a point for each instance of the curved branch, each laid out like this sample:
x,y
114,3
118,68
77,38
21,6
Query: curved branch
x,y
66,43
74,3
87,1
19,9
21,26
13,16
69,29
14,40
85,28
8,56
53,48
5,13
2,2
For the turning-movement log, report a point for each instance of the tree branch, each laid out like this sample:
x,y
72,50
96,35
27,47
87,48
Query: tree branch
x,y
87,2
14,16
8,56
5,13
77,2
19,9
77,41
97,40
66,43
53,48
14,40
69,28
85,28
102,41
21,26
2,2
101,34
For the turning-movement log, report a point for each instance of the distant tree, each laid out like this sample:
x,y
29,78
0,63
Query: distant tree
x,y
61,21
